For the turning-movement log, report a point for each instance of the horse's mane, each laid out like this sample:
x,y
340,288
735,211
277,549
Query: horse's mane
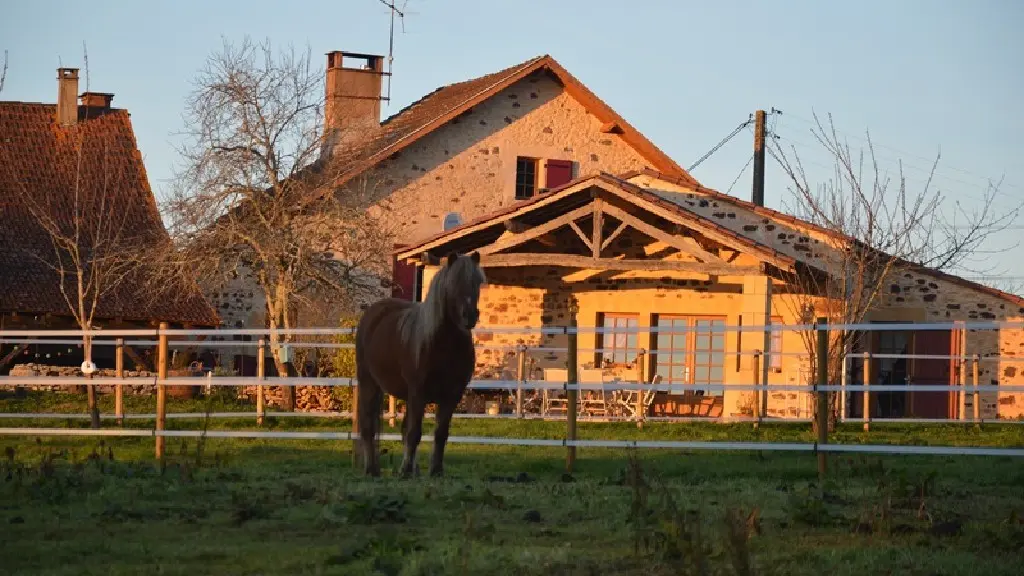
x,y
420,322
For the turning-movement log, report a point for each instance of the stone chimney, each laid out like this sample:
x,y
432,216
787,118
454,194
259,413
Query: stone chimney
x,y
100,100
352,108
67,96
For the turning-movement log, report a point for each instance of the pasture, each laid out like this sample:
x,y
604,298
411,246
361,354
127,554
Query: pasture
x,y
104,506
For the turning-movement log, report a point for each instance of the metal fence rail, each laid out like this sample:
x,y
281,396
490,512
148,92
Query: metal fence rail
x,y
817,386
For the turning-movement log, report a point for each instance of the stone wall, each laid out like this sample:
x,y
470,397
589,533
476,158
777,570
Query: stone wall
x,y
467,166
941,300
42,370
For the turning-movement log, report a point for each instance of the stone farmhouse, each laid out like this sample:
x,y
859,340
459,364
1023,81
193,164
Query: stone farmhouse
x,y
39,155
566,200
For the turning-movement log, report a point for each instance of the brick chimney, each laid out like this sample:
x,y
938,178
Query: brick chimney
x,y
99,100
67,96
352,108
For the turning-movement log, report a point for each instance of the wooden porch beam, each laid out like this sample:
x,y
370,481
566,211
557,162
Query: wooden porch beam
x,y
671,240
596,243
578,261
576,229
615,234
536,231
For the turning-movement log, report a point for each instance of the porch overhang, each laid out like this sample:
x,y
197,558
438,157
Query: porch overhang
x,y
525,235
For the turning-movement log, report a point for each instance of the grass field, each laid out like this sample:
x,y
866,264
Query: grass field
x,y
227,506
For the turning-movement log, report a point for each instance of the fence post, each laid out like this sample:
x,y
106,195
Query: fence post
x,y
520,377
757,389
822,380
161,389
961,366
119,389
392,410
261,374
641,372
977,394
572,393
866,376
842,388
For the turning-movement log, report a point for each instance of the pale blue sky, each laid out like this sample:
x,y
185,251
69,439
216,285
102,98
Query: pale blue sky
x,y
919,74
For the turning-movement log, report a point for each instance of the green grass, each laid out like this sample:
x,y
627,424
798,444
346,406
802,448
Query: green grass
x,y
104,506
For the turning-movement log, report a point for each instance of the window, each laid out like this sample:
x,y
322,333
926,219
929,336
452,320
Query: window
x,y
526,177
619,341
558,172
775,352
690,353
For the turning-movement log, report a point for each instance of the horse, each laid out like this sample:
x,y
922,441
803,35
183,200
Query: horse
x,y
422,353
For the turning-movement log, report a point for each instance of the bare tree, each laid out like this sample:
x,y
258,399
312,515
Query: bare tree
x,y
87,239
258,196
876,228
3,72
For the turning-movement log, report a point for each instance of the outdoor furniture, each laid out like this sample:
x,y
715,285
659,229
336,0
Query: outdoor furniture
x,y
555,399
628,400
593,402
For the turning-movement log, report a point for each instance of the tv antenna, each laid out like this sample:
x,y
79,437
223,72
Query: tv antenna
x,y
391,36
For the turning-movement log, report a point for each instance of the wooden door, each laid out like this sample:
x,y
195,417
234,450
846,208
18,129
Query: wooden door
x,y
932,371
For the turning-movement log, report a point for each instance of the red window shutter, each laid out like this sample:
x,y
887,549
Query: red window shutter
x,y
558,172
403,276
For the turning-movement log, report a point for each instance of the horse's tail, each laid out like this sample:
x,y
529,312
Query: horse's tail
x,y
369,396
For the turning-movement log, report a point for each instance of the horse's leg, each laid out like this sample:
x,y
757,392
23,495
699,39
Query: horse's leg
x,y
370,399
412,433
445,410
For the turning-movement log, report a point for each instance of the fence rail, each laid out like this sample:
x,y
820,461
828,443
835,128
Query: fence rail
x,y
818,386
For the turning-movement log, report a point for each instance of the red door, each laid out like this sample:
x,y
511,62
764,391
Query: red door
x,y
932,371
403,277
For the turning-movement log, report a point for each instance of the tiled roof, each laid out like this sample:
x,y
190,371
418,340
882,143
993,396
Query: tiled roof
x,y
799,222
447,102
36,156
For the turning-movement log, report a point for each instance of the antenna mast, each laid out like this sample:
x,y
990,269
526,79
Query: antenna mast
x,y
391,38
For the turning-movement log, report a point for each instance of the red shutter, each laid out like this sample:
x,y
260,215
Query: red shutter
x,y
558,172
404,277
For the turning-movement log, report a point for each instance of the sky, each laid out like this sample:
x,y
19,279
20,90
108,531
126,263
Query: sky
x,y
923,76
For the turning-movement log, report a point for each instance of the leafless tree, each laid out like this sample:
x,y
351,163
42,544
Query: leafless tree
x,y
257,196
87,238
3,72
877,228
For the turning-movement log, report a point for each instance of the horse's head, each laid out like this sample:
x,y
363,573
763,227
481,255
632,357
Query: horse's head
x,y
464,277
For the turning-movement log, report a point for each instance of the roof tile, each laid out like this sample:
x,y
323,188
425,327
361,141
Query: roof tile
x,y
33,156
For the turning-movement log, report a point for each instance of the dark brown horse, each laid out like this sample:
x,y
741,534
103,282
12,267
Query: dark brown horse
x,y
421,352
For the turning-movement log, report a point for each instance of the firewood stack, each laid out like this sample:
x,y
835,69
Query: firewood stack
x,y
317,399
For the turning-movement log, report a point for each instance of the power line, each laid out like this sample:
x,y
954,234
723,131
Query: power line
x,y
971,191
897,150
722,143
742,170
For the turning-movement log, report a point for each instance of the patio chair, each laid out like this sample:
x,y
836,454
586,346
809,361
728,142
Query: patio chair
x,y
555,399
593,402
628,400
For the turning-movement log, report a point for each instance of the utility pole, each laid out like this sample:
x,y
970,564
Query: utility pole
x,y
757,192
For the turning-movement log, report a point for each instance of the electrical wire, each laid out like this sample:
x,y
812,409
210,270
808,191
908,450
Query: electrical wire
x,y
720,144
